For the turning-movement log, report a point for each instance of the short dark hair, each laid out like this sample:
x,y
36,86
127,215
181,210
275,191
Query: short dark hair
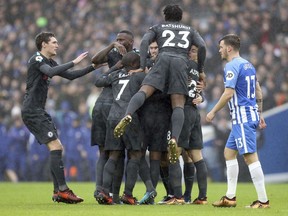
x,y
128,33
130,59
232,40
173,13
43,37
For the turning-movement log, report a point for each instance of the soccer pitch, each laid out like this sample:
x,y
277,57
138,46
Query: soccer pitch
x,y
34,199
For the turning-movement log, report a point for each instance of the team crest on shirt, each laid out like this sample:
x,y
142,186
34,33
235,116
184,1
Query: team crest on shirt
x,y
39,58
50,134
229,75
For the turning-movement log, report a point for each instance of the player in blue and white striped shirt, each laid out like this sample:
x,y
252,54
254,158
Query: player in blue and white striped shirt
x,y
244,98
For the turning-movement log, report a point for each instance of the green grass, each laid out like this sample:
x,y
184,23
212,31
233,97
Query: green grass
x,y
29,199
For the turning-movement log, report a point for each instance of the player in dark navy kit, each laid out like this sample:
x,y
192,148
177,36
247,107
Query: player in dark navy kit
x,y
124,86
190,140
112,55
41,68
174,40
155,117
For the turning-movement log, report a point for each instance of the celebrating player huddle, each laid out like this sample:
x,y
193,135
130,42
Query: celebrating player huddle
x,y
149,102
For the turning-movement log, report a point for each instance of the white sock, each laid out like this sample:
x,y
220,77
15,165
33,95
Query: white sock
x,y
257,176
232,177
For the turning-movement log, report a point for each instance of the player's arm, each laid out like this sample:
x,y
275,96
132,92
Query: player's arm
x,y
201,55
106,79
62,70
259,101
146,40
225,97
201,84
102,56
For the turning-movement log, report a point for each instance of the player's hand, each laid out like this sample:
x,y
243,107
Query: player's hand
x,y
96,66
210,116
80,58
202,78
262,123
197,100
136,71
200,85
121,49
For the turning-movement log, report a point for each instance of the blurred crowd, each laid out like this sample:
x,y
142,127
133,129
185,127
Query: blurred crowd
x,y
86,25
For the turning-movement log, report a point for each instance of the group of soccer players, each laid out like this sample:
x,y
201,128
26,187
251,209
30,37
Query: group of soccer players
x,y
166,84
147,104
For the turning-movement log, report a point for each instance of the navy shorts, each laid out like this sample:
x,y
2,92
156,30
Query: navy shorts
x,y
169,71
131,139
155,119
191,134
99,120
40,124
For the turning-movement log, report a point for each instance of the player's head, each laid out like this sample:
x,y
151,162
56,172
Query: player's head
x,y
131,60
228,45
43,37
126,38
153,49
193,53
173,13
47,44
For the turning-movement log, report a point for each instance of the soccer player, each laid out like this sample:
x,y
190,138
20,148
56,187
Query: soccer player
x,y
190,142
174,40
124,85
191,135
244,97
112,55
155,117
41,68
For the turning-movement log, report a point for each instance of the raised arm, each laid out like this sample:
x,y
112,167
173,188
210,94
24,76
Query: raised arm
x,y
101,57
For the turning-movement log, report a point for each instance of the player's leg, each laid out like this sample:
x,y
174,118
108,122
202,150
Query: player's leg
x,y
132,174
251,158
201,169
229,200
103,157
177,121
57,168
189,172
135,103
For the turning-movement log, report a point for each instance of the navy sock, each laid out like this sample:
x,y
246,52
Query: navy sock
x,y
154,171
177,121
189,171
99,169
164,173
108,174
132,174
136,102
201,170
57,168
175,175
118,176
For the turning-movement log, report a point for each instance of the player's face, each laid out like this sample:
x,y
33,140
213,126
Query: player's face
x,y
125,40
51,47
153,50
223,50
193,53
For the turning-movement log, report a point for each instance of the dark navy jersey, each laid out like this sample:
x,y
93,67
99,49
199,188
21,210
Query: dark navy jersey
x,y
37,83
113,57
40,70
124,86
193,77
149,62
175,38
